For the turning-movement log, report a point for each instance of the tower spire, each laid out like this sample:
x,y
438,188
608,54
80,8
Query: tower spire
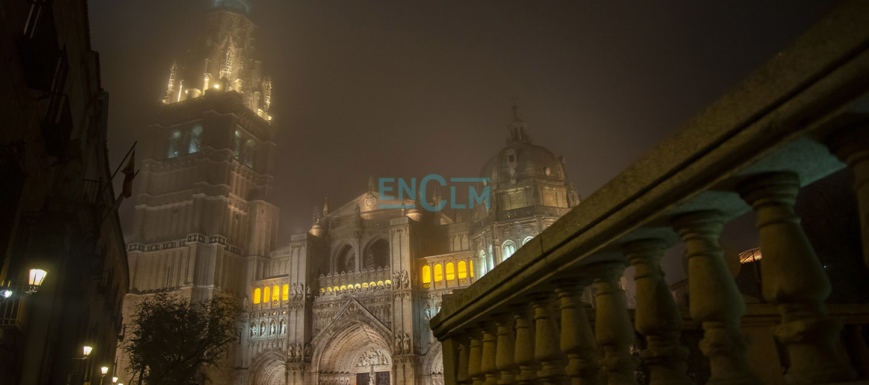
x,y
517,127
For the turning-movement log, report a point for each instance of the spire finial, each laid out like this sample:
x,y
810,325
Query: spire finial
x,y
515,108
371,185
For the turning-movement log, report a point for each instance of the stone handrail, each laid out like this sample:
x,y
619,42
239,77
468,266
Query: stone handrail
x,y
798,118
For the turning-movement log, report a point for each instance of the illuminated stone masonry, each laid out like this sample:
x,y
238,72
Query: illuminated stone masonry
x,y
348,302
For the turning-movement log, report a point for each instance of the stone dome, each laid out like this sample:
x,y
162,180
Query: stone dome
x,y
521,160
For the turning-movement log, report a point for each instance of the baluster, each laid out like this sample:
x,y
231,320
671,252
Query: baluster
x,y
488,364
546,344
657,316
464,357
524,353
476,359
577,339
795,282
852,147
504,356
613,328
715,301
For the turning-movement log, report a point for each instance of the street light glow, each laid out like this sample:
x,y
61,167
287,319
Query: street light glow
x,y
104,370
87,351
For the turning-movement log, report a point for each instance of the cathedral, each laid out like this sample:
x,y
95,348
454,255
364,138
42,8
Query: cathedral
x,y
348,302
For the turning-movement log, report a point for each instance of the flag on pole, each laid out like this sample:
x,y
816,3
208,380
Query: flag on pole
x,y
129,174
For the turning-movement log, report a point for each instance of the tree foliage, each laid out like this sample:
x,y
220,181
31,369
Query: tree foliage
x,y
175,341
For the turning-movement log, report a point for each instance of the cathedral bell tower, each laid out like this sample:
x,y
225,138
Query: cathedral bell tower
x,y
204,222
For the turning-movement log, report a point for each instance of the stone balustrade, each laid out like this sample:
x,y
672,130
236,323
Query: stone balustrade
x,y
799,118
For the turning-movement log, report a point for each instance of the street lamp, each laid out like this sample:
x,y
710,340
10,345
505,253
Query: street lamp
x,y
87,351
6,293
36,278
103,371
114,380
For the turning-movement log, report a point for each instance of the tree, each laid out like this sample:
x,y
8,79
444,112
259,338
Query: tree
x,y
174,341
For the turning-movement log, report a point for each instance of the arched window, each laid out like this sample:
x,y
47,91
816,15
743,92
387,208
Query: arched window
x,y
343,287
377,255
276,293
426,274
463,270
346,260
471,262
507,250
483,264
388,282
285,293
526,240
451,271
364,285
357,286
256,295
266,295
236,144
174,144
195,140
439,273
249,153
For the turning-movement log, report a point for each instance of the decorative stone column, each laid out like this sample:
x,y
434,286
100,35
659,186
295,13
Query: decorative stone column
x,y
476,359
794,280
852,147
487,365
505,354
462,375
524,353
657,317
577,339
546,344
715,301
613,328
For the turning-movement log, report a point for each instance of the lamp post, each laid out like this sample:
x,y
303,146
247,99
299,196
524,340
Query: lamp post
x,y
103,371
34,281
36,278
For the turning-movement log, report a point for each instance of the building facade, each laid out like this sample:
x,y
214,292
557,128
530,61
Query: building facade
x,y
58,216
347,302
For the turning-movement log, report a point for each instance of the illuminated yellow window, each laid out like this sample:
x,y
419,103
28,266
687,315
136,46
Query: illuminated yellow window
x,y
343,287
322,290
379,283
266,295
364,285
451,271
426,274
336,288
329,289
276,293
471,265
372,284
358,286
439,273
256,295
463,270
388,282
285,293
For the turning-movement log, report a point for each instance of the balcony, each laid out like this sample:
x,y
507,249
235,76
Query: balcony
x,y
797,119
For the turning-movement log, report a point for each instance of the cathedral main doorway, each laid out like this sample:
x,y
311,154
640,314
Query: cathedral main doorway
x,y
352,352
380,378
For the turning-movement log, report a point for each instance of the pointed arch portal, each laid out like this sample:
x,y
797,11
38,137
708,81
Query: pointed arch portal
x,y
353,347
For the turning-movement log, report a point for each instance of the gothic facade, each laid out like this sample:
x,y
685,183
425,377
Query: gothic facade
x,y
347,302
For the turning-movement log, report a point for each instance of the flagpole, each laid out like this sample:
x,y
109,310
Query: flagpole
x,y
122,160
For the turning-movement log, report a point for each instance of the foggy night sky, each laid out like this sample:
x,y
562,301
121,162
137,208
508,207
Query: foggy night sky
x,y
409,88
